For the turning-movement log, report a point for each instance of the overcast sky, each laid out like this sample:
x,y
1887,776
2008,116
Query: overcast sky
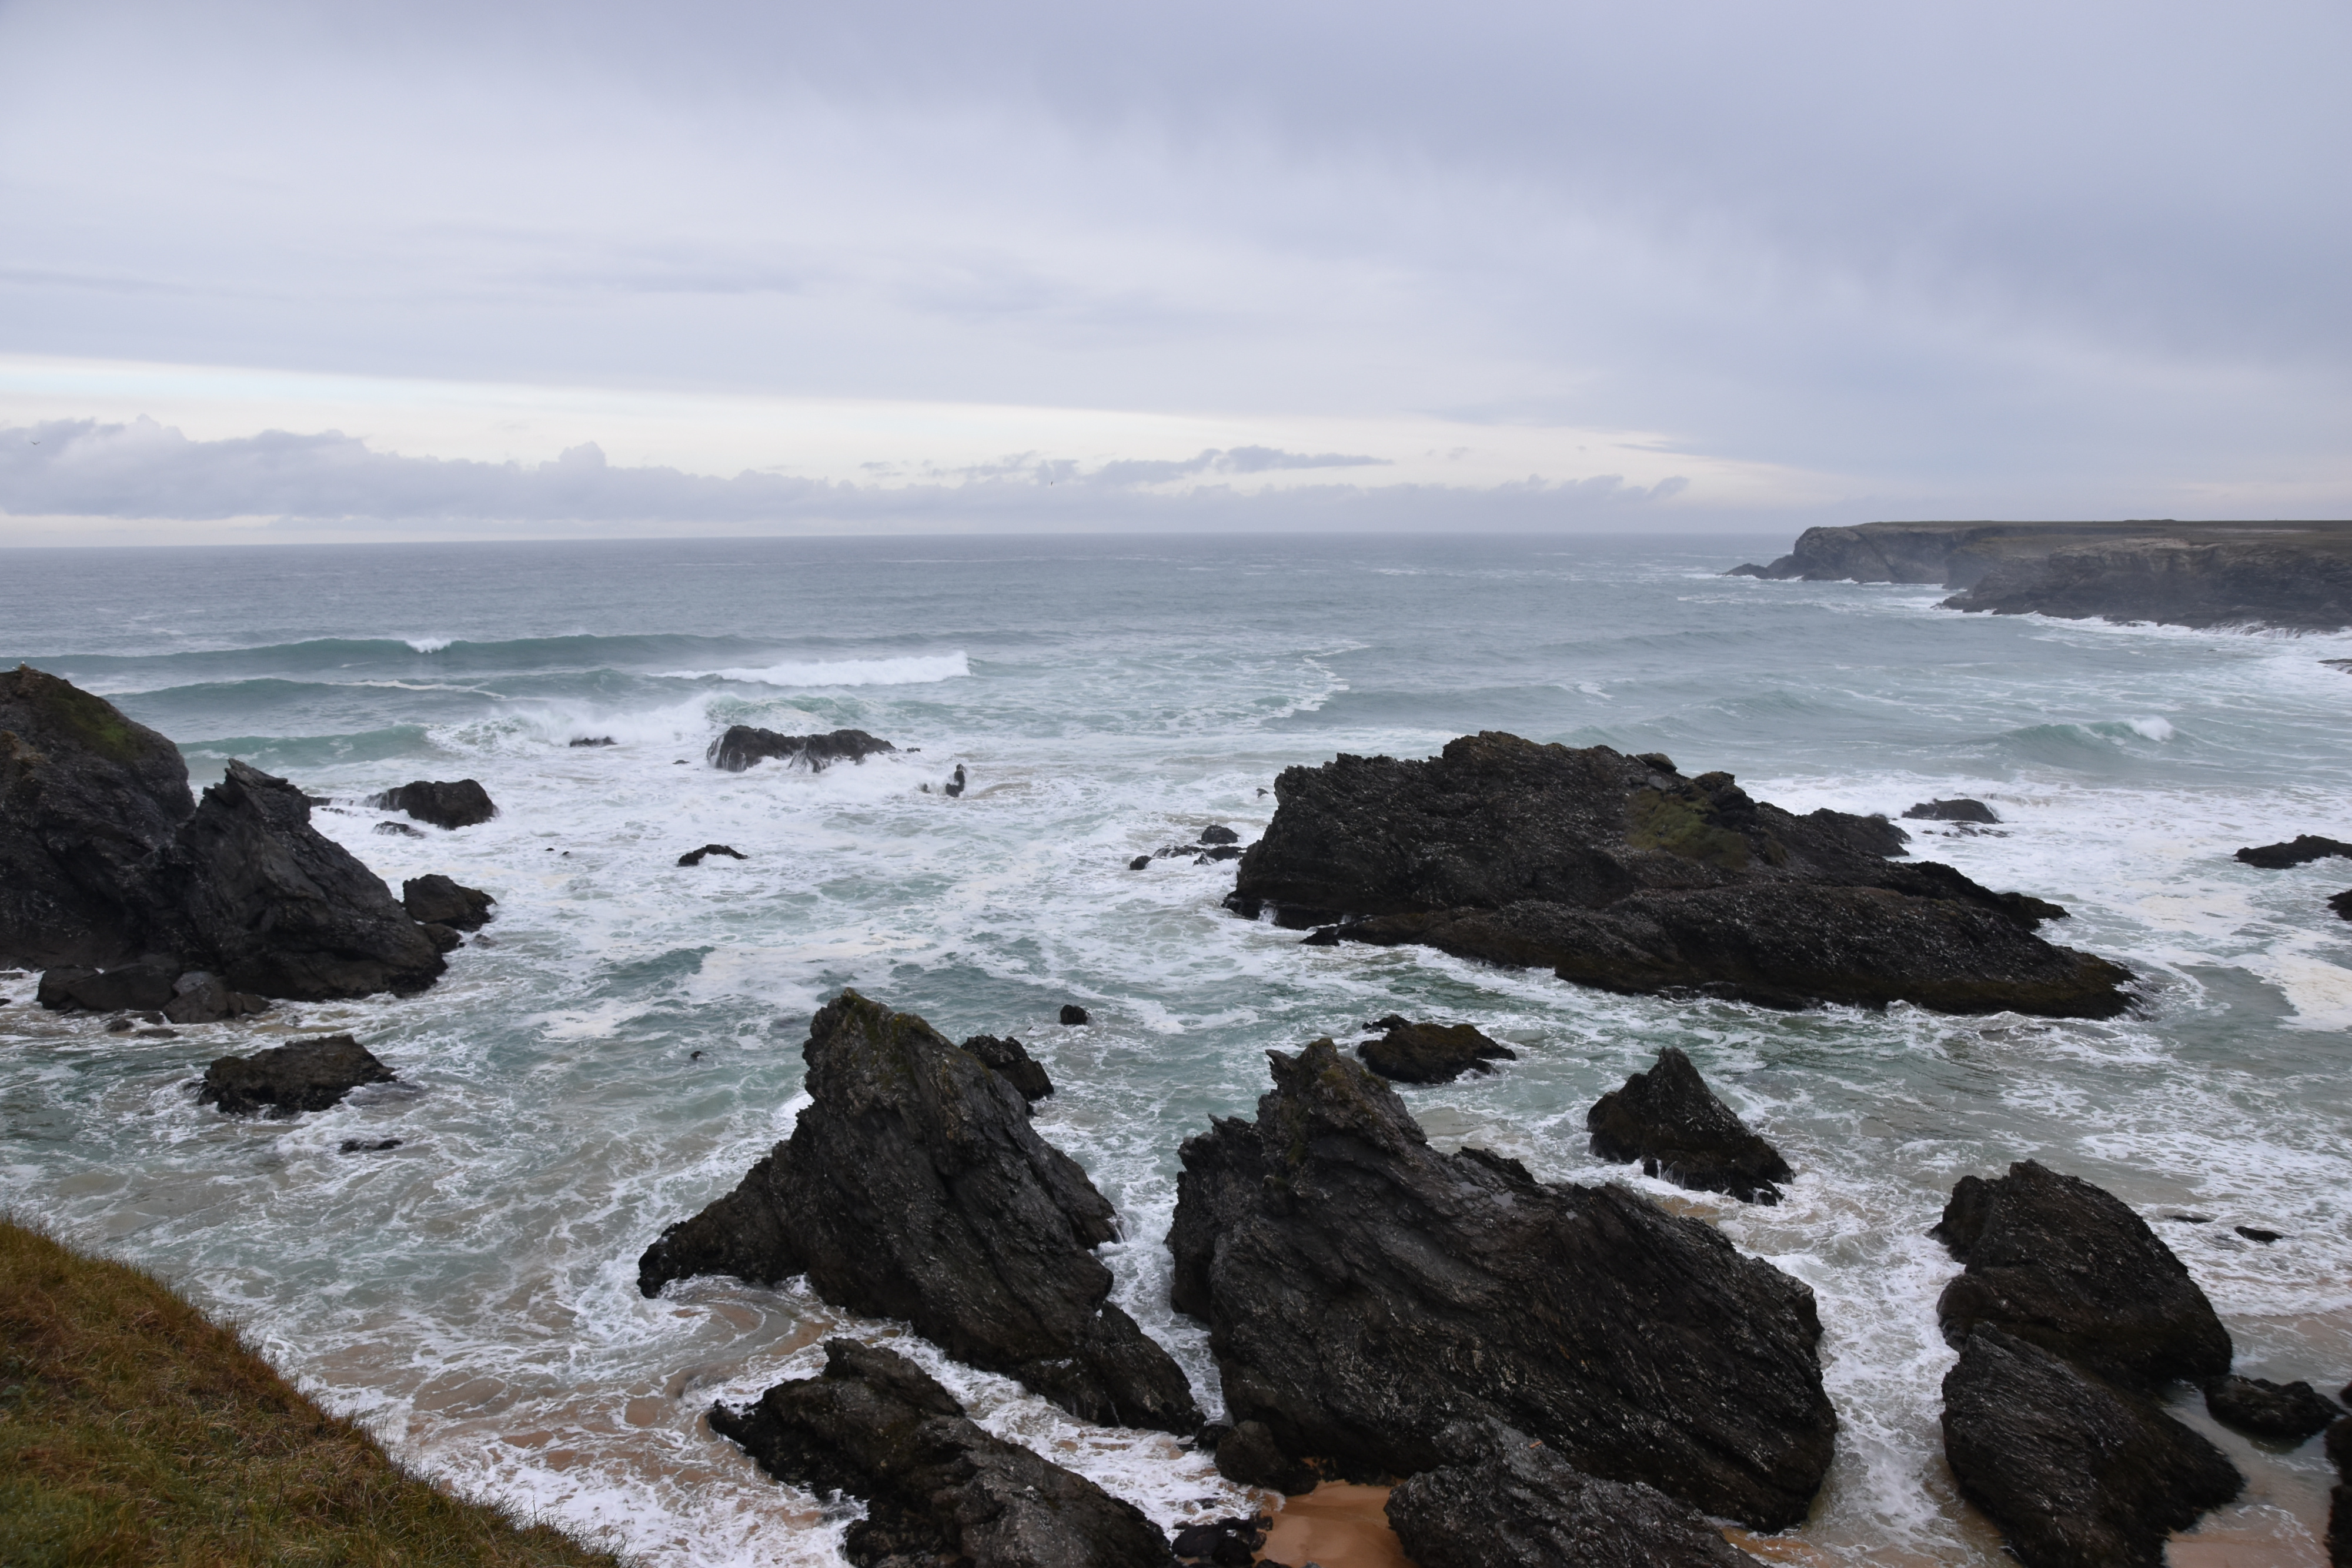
x,y
418,270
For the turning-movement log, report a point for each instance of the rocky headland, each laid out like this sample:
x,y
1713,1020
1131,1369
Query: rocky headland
x,y
1619,873
2285,574
914,1187
114,877
1364,1292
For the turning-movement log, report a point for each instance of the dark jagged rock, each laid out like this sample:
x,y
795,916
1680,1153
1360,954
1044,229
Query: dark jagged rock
x,y
2296,574
1504,1501
85,795
1429,1052
1613,872
914,1187
1960,811
1010,1057
1219,853
1073,1014
277,907
1363,1292
368,1145
287,1079
939,1491
1668,1119
1218,833
2256,1233
593,740
695,857
444,938
126,988
2268,1409
2339,1497
2077,1472
438,900
1140,863
461,804
2342,904
2030,912
2053,1260
2302,850
744,745
398,830
1248,1454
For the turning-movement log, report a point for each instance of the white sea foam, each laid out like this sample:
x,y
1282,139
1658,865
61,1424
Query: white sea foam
x,y
428,645
909,670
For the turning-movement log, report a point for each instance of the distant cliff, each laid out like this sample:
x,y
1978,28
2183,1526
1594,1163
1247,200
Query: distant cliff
x,y
2288,574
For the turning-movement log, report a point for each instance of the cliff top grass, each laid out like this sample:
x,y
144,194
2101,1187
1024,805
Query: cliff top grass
x,y
134,1431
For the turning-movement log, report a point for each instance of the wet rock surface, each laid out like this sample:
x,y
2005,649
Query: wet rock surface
x,y
2342,904
462,803
1669,1119
1010,1060
2301,849
1250,1454
1410,1052
939,1491
2057,1261
85,795
1960,811
1505,1500
2077,1472
2339,1497
126,988
199,997
1615,871
696,857
1226,1543
287,1079
2267,1409
744,745
1364,1292
914,1187
276,907
438,900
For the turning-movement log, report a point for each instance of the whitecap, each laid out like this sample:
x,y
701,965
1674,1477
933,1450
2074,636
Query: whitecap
x,y
428,645
908,670
2153,728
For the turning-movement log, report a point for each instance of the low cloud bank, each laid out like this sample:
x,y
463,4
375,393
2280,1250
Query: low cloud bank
x,y
70,468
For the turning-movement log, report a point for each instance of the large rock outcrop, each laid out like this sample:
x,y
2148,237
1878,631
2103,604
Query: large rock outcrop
x,y
914,1187
1668,1119
744,745
1364,1292
938,1491
2057,1261
85,795
1617,871
2077,1472
1408,1052
277,907
444,803
1507,1501
2296,574
438,900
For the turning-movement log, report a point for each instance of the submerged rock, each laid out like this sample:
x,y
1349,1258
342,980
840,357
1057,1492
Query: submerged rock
x,y
85,795
744,745
462,804
914,1187
2301,849
437,900
1507,1501
1073,1014
1617,873
2342,904
1429,1052
1218,833
287,1079
1668,1119
592,740
1960,811
2292,1410
2052,1259
938,1490
1011,1059
1363,1292
277,907
696,857
2077,1472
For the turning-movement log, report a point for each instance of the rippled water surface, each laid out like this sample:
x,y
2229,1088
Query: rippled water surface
x,y
472,1293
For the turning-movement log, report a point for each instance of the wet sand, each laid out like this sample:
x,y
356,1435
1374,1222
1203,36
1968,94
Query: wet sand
x,y
1336,1525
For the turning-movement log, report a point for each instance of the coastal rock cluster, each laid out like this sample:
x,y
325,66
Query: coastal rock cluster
x,y
744,745
1619,873
117,879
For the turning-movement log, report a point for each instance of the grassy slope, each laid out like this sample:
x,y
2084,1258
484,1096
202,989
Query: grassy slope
x,y
134,1431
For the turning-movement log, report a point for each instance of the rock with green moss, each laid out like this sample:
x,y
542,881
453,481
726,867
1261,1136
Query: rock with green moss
x,y
85,795
1364,1292
1619,873
913,1186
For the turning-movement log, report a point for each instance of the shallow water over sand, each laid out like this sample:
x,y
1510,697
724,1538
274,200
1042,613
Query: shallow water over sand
x,y
473,1292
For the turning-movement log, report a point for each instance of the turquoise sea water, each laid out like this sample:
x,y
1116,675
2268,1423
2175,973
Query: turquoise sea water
x,y
473,1292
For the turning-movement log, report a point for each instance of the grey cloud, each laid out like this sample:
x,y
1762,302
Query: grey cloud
x,y
145,470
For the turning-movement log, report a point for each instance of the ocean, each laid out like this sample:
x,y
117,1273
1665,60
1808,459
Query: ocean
x,y
623,1040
